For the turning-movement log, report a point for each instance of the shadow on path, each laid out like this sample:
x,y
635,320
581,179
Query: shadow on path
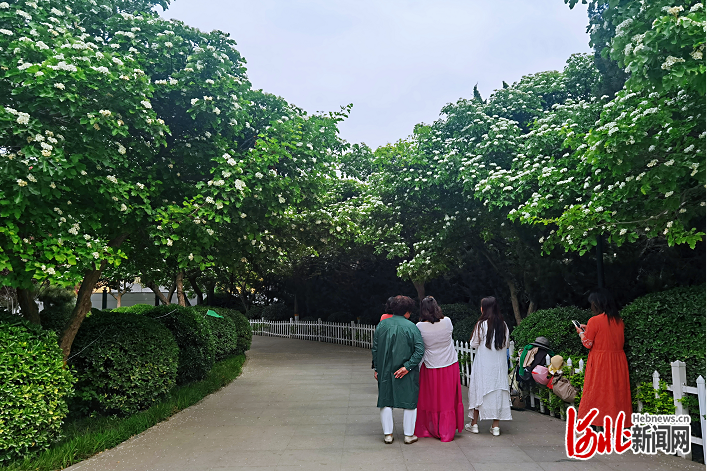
x,y
302,405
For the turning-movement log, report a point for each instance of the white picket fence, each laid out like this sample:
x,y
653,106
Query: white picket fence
x,y
353,334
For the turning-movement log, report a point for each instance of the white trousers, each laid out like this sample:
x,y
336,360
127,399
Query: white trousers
x,y
409,418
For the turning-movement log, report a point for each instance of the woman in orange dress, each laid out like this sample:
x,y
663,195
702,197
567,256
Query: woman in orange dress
x,y
606,383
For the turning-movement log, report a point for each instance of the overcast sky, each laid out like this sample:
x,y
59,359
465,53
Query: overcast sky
x,y
397,61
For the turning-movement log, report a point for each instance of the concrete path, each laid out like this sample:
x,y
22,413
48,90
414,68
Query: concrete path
x,y
303,405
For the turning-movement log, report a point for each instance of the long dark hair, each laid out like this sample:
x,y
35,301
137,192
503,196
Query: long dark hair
x,y
495,326
430,310
602,301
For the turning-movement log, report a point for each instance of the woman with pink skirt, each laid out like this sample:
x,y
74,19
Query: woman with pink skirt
x,y
440,411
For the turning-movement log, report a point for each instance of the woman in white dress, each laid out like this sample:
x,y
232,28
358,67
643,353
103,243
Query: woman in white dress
x,y
489,396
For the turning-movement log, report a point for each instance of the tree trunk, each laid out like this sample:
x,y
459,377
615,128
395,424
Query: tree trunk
x,y
197,290
156,289
170,293
420,288
83,302
514,300
118,298
30,310
531,308
210,293
181,299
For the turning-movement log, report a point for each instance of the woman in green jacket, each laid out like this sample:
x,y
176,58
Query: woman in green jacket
x,y
397,352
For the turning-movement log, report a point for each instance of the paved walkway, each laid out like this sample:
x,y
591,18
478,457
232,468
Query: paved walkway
x,y
303,405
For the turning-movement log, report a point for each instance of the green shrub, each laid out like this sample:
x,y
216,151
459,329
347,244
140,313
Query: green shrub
x,y
243,329
661,405
124,363
556,325
277,312
223,329
244,333
56,317
255,312
134,309
664,327
194,338
464,328
340,317
460,311
34,385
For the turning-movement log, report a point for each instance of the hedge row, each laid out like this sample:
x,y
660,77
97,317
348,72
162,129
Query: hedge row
x,y
34,386
123,361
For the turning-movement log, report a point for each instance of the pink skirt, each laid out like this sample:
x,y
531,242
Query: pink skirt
x,y
440,411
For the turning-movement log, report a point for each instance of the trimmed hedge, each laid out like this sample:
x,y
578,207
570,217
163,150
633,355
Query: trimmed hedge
x,y
134,309
460,311
463,329
556,325
196,343
664,327
34,386
124,363
255,312
224,331
55,318
277,312
242,329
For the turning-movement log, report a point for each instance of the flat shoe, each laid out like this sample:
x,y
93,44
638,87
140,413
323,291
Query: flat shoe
x,y
410,439
495,431
472,428
388,439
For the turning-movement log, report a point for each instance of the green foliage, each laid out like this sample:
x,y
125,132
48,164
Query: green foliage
x,y
194,338
134,309
556,325
664,327
124,363
646,395
34,386
53,296
86,437
255,312
54,318
340,317
277,312
464,328
243,329
233,337
460,311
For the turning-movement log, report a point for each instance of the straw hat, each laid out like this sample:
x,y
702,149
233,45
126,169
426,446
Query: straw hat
x,y
556,363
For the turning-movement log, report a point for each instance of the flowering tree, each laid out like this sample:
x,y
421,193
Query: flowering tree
x,y
140,130
77,139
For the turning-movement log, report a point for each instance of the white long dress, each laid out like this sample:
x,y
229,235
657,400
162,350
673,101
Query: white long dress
x,y
488,385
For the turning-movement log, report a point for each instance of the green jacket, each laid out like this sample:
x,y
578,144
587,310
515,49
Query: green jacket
x,y
397,342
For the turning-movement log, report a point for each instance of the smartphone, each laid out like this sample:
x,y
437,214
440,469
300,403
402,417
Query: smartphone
x,y
576,324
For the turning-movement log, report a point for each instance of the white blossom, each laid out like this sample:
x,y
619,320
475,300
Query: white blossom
x,y
243,215
21,182
146,104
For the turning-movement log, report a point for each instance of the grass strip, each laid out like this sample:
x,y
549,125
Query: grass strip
x,y
85,437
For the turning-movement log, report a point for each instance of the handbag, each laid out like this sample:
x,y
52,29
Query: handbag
x,y
563,389
540,375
